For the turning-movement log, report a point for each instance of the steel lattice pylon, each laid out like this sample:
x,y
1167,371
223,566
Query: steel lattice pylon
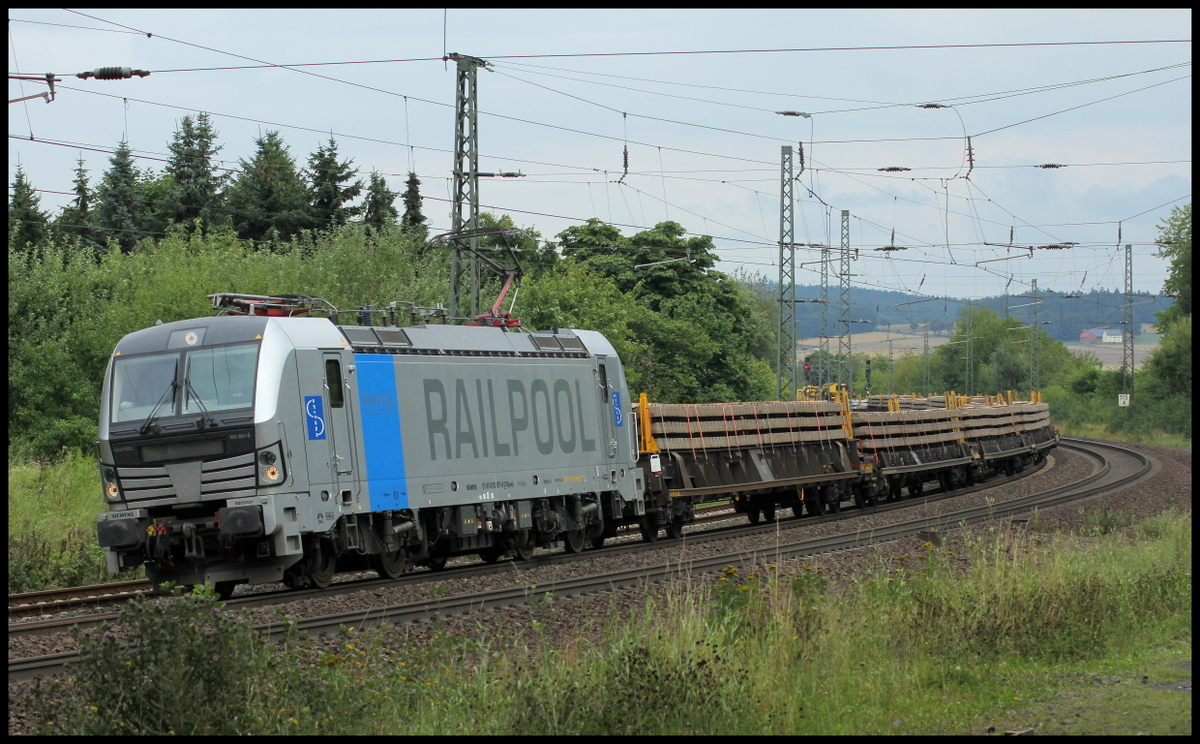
x,y
1127,337
786,362
464,281
845,366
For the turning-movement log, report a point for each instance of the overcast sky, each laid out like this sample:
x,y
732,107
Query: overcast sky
x,y
567,91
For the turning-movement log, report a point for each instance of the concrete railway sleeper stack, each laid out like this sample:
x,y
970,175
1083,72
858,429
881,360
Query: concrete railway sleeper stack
x,y
813,456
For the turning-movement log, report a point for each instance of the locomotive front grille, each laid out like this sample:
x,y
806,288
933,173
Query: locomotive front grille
x,y
231,477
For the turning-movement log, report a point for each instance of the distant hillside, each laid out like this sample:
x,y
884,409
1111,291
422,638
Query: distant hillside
x,y
1069,317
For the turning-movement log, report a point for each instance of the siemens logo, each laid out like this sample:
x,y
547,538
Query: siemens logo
x,y
465,422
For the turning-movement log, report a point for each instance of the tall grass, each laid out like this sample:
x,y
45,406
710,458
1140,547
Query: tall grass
x,y
52,509
917,647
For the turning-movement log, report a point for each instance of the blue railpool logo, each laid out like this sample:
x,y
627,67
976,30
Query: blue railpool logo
x,y
314,411
617,419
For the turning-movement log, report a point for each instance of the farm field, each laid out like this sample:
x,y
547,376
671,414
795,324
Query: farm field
x,y
876,342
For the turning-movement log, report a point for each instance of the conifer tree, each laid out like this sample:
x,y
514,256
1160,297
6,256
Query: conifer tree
x,y
413,219
378,208
119,202
196,191
27,223
327,194
74,220
268,201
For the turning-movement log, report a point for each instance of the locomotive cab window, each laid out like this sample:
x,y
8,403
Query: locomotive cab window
x,y
214,378
139,383
333,381
220,378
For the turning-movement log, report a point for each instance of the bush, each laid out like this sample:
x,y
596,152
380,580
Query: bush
x,y
185,666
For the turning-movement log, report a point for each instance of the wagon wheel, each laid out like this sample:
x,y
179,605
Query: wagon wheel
x,y
674,530
768,513
492,554
648,529
816,502
835,504
224,589
863,497
437,562
753,514
574,541
390,565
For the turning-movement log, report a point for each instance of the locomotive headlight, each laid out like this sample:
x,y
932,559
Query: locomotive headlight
x,y
111,491
271,470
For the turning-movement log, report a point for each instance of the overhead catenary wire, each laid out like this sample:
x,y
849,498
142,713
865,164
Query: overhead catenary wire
x,y
972,204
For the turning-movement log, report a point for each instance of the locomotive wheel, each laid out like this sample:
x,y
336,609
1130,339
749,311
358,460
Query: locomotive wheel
x,y
321,564
491,555
574,541
675,530
768,513
390,565
523,552
224,589
648,529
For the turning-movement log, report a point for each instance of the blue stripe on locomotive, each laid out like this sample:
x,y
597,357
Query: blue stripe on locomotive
x,y
383,447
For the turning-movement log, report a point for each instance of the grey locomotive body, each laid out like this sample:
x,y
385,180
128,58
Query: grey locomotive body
x,y
252,449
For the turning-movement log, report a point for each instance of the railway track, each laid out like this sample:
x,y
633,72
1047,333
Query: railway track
x,y
1115,467
59,600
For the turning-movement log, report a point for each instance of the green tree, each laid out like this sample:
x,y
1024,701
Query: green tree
x,y
120,215
413,219
158,200
1175,244
378,208
268,200
27,223
707,325
327,194
73,223
197,182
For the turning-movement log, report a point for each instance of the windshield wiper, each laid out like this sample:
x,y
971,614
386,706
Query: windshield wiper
x,y
190,392
170,391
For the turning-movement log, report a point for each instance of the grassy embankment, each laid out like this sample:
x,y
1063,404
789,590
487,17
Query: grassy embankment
x,y
52,510
1047,630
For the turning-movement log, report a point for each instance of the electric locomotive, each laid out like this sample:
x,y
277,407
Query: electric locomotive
x,y
273,444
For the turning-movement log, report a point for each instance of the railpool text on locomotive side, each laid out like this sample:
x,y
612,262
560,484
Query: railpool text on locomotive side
x,y
465,424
